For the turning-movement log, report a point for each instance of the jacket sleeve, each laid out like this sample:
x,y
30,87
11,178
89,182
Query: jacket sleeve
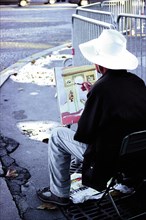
x,y
90,119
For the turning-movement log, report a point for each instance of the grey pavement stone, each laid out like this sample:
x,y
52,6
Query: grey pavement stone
x,y
7,160
8,209
1,170
43,215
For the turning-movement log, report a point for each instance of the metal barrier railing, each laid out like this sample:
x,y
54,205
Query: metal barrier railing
x,y
85,29
85,26
96,14
134,29
119,6
94,6
123,6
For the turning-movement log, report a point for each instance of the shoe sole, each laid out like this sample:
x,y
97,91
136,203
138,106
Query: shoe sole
x,y
53,202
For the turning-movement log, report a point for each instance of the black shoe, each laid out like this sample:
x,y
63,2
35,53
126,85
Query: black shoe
x,y
46,195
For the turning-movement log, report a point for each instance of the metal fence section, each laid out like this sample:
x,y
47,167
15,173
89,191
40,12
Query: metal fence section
x,y
89,22
85,29
119,6
96,14
94,6
123,6
134,29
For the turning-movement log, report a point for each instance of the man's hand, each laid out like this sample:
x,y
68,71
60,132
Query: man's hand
x,y
86,86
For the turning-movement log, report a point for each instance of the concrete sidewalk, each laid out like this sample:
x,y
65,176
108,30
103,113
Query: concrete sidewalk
x,y
28,113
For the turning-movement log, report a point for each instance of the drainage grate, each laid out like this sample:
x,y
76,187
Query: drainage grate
x,y
90,210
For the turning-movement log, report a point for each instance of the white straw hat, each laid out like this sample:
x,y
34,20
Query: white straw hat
x,y
109,50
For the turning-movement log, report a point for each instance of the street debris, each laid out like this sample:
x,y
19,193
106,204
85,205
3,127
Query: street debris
x,y
35,74
11,173
47,206
40,71
38,130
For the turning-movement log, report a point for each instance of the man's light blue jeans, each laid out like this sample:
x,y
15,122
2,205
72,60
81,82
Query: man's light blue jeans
x,y
61,146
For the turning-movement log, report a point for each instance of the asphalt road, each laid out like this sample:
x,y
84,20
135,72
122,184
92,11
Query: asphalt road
x,y
28,30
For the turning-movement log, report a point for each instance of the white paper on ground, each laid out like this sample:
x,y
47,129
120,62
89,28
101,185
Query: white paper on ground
x,y
80,193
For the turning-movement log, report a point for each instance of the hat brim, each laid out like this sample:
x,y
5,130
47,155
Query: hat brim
x,y
125,60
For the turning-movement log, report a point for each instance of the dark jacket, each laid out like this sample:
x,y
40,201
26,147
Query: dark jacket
x,y
115,107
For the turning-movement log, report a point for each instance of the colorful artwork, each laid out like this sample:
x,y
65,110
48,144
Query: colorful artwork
x,y
70,95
